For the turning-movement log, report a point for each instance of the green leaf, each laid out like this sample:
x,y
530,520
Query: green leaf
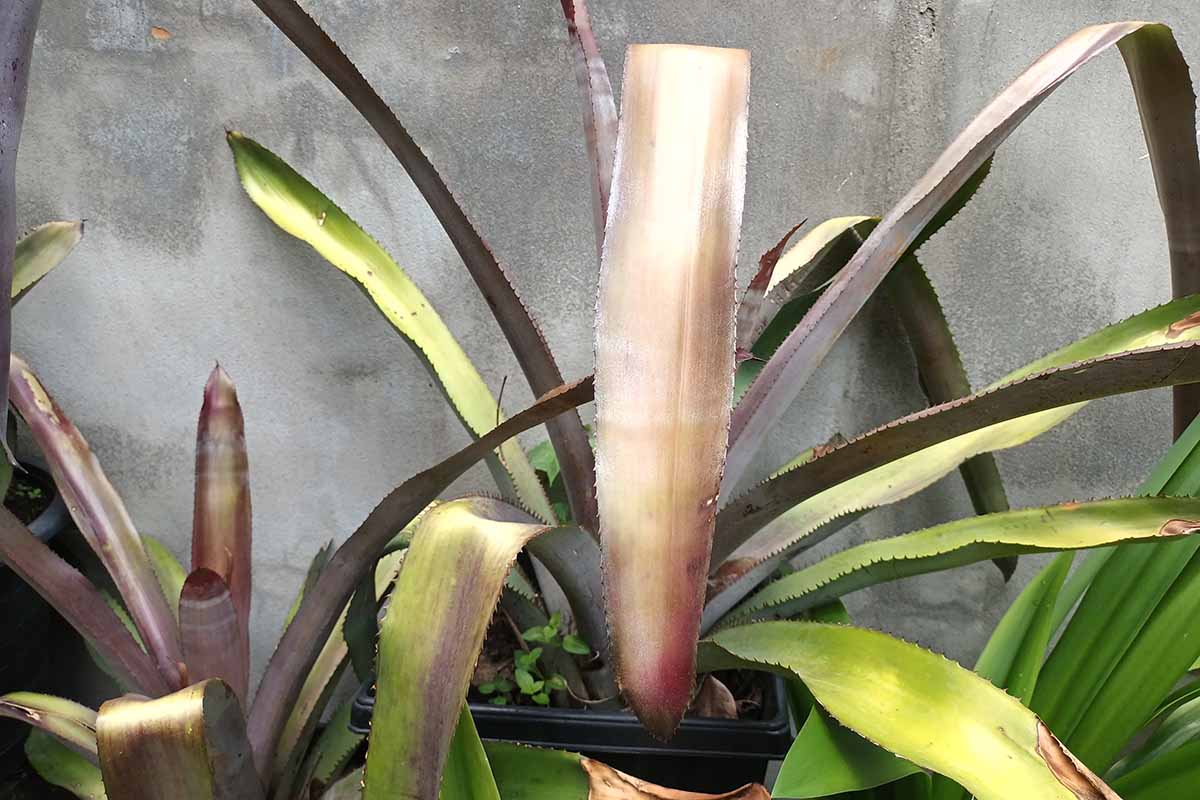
x,y
40,251
911,702
361,628
939,365
543,459
556,682
499,701
334,747
74,724
541,698
533,773
299,208
827,758
1131,637
1016,650
576,646
528,684
1063,527
467,776
1014,654
1170,777
170,573
61,766
537,634
486,688
1179,727
453,573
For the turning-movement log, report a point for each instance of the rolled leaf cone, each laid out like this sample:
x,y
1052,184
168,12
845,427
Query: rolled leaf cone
x,y
213,645
221,532
665,358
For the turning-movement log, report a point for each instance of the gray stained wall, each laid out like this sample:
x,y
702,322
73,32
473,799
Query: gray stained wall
x,y
851,102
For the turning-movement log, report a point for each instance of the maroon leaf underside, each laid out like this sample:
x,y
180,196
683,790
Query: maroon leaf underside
x,y
1166,103
599,109
101,517
1130,371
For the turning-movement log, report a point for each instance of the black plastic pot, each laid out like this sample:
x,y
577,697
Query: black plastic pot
x,y
32,630
705,755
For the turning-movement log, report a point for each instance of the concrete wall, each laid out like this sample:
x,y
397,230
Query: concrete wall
x,y
851,101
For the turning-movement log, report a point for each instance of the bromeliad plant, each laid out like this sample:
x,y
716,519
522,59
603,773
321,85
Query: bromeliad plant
x,y
688,384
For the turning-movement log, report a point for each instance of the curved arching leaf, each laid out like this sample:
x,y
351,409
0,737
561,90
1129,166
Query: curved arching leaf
x,y
71,723
1068,526
299,208
101,516
18,25
890,478
524,337
1166,103
599,109
61,766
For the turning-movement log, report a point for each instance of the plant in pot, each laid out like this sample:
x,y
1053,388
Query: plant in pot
x,y
31,641
689,383
181,731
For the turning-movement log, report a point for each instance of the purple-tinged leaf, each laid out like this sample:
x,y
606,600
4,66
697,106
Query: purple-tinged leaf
x,y
665,358
599,109
221,538
101,516
430,637
750,317
1167,106
18,24
527,343
190,744
213,644
71,723
79,603
321,608
1134,370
